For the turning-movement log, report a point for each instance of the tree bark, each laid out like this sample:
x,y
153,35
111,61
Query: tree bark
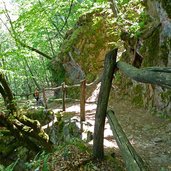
x,y
109,67
113,6
7,94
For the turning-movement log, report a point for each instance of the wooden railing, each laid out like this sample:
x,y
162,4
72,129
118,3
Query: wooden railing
x,y
83,91
153,75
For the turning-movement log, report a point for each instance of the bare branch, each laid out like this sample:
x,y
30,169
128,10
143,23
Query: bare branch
x,y
66,20
114,8
17,39
51,21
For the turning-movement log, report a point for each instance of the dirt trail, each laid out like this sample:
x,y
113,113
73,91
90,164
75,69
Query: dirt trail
x,y
149,134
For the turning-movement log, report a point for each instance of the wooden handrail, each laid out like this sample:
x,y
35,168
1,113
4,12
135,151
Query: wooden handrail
x,y
132,160
152,75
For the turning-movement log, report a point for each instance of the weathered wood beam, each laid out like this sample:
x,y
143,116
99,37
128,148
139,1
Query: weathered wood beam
x,y
132,160
152,75
63,96
82,100
109,67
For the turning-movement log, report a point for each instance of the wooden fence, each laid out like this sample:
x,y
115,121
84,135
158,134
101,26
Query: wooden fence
x,y
153,75
83,87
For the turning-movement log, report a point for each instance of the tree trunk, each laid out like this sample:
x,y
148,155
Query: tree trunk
x,y
34,80
24,129
27,131
7,95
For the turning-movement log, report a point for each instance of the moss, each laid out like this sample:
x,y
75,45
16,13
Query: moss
x,y
164,52
88,42
167,6
166,96
150,50
58,73
137,94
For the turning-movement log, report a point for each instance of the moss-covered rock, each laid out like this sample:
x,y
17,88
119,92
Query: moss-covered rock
x,y
154,46
86,44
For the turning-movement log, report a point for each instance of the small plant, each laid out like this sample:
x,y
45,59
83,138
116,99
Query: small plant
x,y
11,166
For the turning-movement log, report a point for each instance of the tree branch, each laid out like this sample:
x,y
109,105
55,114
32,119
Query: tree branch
x,y
51,21
66,20
17,39
7,94
114,8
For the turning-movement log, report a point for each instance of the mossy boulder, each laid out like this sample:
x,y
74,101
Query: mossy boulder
x,y
85,46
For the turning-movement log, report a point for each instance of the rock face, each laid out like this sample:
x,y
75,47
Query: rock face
x,y
156,49
153,49
84,48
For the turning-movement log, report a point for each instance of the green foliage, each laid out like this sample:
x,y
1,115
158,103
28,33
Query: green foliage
x,y
39,162
131,16
11,166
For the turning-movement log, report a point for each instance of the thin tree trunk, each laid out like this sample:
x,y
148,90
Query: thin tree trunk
x,y
7,95
114,7
34,80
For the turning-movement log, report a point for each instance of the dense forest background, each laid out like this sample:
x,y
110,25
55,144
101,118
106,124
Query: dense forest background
x,y
47,42
40,38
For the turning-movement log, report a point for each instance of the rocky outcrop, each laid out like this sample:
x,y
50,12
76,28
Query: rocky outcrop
x,y
84,48
153,48
156,48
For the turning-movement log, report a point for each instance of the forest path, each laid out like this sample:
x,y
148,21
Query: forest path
x,y
149,134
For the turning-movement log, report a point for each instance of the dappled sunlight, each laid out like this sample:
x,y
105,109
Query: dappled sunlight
x,y
95,93
107,144
76,108
108,132
110,143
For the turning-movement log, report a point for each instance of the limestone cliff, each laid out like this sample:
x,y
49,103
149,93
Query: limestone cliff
x,y
156,48
153,48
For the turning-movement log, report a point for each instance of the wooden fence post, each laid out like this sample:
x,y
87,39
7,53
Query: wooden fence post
x,y
82,99
63,96
109,67
44,98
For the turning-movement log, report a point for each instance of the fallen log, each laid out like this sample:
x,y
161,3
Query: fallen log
x,y
30,135
132,160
